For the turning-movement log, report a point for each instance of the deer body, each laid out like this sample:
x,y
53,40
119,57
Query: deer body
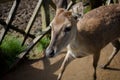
x,y
88,36
97,29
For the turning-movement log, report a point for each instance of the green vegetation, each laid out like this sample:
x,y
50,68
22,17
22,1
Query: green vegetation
x,y
43,43
10,48
87,9
39,48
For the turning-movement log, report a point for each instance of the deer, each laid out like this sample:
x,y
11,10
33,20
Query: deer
x,y
86,36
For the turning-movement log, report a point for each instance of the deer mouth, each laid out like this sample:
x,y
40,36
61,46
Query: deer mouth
x,y
50,53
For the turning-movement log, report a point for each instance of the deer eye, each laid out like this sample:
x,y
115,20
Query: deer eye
x,y
67,29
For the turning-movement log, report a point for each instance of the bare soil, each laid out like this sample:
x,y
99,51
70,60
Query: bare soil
x,y
23,14
79,69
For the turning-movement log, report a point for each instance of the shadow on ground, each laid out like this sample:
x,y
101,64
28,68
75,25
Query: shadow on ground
x,y
35,70
79,69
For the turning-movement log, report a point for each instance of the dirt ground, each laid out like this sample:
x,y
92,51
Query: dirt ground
x,y
48,69
79,69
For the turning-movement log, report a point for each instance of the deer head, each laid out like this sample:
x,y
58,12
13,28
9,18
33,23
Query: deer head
x,y
63,30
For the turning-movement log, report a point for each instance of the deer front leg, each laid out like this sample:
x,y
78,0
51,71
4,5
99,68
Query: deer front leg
x,y
96,57
67,60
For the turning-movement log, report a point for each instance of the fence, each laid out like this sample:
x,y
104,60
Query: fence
x,y
44,5
45,22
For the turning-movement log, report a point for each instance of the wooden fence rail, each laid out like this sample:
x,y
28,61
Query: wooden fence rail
x,y
10,18
8,25
45,21
3,23
31,21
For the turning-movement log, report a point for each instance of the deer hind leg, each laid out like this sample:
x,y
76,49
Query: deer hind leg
x,y
96,57
67,60
116,46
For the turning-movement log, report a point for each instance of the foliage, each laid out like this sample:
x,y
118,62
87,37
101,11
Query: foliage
x,y
10,48
39,48
43,43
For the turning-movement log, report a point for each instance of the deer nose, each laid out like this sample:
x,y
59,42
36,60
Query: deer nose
x,y
49,53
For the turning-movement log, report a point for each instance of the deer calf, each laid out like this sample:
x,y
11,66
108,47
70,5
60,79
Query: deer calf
x,y
87,36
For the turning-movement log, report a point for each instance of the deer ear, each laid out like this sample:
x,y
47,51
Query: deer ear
x,y
60,10
68,14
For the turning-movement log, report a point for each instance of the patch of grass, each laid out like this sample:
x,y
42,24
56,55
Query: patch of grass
x,y
38,50
43,43
10,48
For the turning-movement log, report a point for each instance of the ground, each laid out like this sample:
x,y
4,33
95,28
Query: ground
x,y
79,69
48,69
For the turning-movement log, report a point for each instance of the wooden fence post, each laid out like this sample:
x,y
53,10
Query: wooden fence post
x,y
45,13
10,18
15,28
31,21
22,55
52,4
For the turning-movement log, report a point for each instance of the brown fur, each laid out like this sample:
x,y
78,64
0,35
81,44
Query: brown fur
x,y
100,26
89,35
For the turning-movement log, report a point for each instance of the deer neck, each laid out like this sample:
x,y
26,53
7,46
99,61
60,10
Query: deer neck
x,y
75,39
73,45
